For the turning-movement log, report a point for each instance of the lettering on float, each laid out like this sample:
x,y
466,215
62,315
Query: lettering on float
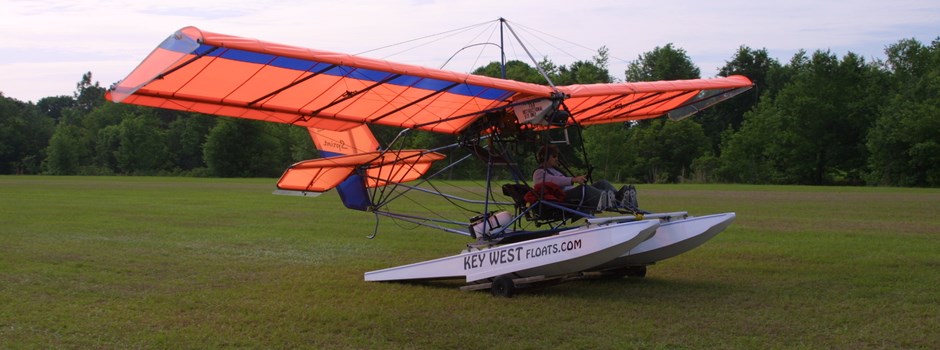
x,y
497,257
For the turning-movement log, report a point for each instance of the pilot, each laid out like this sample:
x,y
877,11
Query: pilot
x,y
600,195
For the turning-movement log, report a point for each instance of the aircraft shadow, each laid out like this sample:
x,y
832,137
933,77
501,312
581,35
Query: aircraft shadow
x,y
602,288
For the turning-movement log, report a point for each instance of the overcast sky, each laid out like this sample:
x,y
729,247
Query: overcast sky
x,y
47,45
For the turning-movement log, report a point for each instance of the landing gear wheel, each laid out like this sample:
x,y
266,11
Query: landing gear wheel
x,y
503,286
635,271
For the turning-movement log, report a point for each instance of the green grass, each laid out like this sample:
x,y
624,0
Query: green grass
x,y
129,262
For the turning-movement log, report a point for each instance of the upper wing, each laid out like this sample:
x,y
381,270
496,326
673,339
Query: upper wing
x,y
609,103
219,74
211,73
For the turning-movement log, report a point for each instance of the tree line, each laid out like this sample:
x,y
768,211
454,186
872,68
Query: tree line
x,y
816,119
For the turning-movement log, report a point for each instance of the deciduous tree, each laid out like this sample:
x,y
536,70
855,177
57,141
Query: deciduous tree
x,y
905,141
24,133
663,63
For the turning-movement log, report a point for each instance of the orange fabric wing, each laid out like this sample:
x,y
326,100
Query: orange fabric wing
x,y
379,168
610,103
218,74
198,71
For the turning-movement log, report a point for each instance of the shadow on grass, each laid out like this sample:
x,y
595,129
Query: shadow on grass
x,y
602,288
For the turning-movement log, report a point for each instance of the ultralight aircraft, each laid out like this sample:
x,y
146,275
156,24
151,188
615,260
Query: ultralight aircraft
x,y
520,235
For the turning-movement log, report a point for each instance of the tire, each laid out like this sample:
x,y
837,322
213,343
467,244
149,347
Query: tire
x,y
503,286
635,271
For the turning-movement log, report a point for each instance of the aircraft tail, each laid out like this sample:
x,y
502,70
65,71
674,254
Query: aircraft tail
x,y
338,143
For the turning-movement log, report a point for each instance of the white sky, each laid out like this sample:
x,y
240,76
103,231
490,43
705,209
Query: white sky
x,y
47,45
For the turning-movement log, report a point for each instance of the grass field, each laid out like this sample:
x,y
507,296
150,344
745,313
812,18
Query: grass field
x,y
133,262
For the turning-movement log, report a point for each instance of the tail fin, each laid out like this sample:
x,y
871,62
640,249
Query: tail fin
x,y
338,143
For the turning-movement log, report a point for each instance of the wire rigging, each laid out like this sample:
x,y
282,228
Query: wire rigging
x,y
448,33
594,50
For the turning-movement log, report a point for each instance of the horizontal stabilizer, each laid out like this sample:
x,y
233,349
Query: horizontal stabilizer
x,y
378,169
296,193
